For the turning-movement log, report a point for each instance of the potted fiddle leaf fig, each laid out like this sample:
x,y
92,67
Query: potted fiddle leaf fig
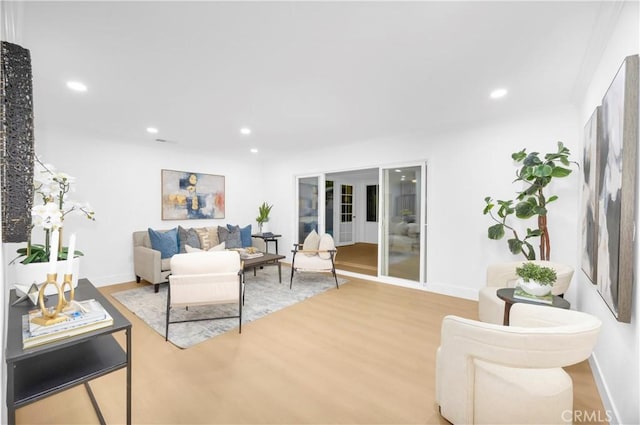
x,y
263,215
536,173
536,280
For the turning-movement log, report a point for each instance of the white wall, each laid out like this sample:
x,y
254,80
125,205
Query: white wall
x,y
463,168
618,350
122,183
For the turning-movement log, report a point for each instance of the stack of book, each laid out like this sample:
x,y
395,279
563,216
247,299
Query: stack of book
x,y
80,317
521,294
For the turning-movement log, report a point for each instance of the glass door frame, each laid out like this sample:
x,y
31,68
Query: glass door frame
x,y
383,223
321,202
321,180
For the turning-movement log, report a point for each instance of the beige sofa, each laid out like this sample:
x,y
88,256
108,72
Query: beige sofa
x,y
148,264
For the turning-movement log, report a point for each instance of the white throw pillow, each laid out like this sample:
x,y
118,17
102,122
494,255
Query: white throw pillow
x,y
219,247
311,243
326,244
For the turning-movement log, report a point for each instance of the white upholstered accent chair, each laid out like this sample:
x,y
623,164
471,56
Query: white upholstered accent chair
x,y
503,275
494,374
205,278
316,254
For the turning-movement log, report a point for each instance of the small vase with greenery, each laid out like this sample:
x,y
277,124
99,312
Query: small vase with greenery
x,y
263,215
535,173
536,279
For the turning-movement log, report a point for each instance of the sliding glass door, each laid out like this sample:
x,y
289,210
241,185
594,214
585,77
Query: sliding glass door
x,y
308,206
402,227
325,204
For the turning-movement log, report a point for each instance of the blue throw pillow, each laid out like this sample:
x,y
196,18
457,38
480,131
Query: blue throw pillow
x,y
165,242
245,234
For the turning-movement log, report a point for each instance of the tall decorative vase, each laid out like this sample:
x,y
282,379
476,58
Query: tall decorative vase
x,y
265,227
26,274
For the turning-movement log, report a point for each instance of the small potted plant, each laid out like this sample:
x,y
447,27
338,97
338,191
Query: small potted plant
x,y
536,280
263,215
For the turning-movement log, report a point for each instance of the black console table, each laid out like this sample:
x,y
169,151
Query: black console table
x,y
38,372
269,237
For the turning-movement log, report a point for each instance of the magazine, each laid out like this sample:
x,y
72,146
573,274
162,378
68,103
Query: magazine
x,y
81,317
521,294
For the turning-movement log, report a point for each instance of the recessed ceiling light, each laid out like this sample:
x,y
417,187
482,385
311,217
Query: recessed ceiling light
x,y
498,93
398,170
254,150
152,130
245,130
76,86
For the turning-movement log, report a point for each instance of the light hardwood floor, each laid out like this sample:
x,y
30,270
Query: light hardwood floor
x,y
363,354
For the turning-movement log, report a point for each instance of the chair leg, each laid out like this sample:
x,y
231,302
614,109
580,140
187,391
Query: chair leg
x,y
291,279
240,302
166,331
156,287
336,278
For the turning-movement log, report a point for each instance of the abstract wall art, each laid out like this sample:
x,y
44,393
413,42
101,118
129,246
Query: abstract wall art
x,y
617,187
189,195
591,139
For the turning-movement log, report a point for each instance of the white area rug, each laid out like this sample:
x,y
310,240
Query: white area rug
x,y
263,295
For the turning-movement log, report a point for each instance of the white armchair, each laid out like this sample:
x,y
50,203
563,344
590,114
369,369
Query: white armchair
x,y
503,275
494,374
317,254
205,278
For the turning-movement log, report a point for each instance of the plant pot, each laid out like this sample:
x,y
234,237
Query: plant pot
x,y
265,227
26,274
534,288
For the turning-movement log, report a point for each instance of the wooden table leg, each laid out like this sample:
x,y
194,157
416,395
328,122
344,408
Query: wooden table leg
x,y
507,311
279,272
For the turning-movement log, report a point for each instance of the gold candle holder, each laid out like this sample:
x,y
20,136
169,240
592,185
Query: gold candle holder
x,y
48,317
68,280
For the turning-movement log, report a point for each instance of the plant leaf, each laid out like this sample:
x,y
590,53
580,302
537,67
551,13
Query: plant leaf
x,y
543,170
496,231
560,172
515,246
525,210
552,198
519,156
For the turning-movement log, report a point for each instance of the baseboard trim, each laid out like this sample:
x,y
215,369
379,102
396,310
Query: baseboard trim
x,y
603,390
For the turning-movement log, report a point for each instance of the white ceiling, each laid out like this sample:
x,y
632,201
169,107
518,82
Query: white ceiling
x,y
301,73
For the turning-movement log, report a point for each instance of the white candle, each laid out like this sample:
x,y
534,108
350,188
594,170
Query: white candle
x,y
53,251
72,248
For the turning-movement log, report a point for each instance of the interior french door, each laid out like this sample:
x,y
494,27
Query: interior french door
x,y
346,214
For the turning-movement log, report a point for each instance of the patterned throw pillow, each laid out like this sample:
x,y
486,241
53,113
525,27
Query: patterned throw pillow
x,y
165,242
213,235
203,235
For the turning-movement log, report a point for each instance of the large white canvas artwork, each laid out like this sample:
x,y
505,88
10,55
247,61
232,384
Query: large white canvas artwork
x,y
589,226
616,180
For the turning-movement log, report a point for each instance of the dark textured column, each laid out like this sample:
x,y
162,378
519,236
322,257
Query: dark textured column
x,y
16,142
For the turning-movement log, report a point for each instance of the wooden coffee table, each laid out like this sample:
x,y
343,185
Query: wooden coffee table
x,y
264,260
506,294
